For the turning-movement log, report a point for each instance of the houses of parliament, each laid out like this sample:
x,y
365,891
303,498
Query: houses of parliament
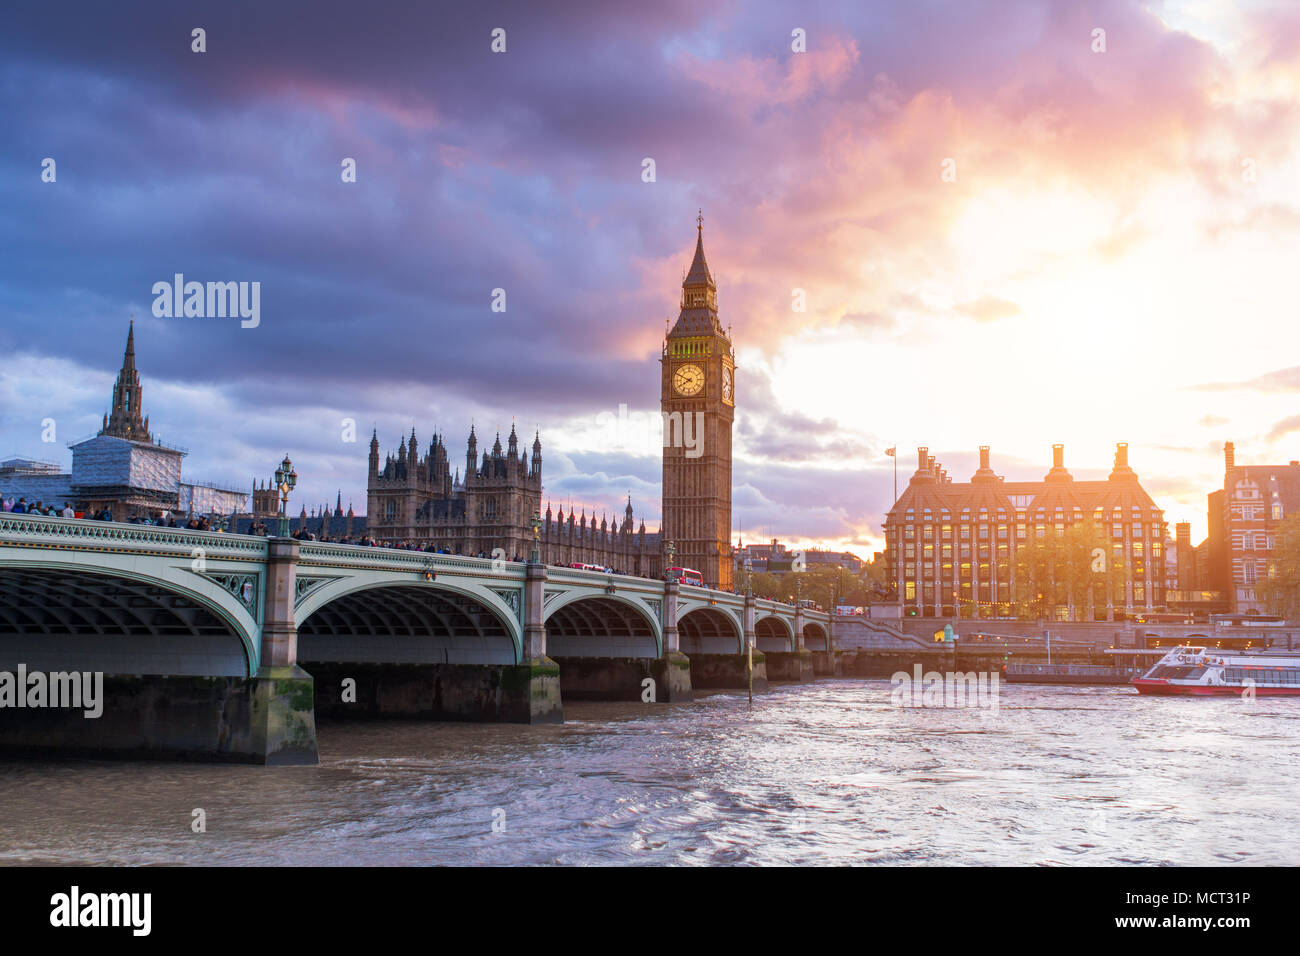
x,y
420,497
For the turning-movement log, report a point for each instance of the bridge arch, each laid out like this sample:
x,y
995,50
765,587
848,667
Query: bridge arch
x,y
772,633
79,615
377,619
708,630
814,636
601,625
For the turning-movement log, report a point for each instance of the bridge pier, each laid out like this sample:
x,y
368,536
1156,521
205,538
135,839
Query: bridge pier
x,y
262,720
282,704
538,676
675,682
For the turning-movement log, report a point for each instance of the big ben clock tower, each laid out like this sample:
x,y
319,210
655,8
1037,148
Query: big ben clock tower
x,y
698,399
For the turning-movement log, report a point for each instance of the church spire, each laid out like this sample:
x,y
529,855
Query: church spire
x,y
128,357
126,417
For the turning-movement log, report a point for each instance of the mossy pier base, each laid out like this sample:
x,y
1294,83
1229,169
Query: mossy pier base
x,y
267,719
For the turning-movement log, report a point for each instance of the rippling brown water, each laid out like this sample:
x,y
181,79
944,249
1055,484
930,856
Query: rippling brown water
x,y
819,773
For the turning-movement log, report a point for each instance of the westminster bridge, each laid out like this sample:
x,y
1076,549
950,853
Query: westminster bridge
x,y
219,646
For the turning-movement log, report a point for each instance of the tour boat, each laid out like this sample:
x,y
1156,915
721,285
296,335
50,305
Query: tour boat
x,y
1201,671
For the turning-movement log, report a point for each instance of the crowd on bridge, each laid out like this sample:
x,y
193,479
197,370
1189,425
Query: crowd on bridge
x,y
22,506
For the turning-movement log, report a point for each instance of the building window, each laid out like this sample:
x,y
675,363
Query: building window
x,y
909,591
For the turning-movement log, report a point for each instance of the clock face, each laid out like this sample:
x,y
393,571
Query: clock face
x,y
688,379
726,386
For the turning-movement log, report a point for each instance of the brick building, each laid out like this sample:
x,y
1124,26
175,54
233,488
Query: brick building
x,y
1243,519
953,545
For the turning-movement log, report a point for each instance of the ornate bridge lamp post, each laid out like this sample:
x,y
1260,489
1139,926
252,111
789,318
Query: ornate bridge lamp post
x,y
672,555
536,557
285,480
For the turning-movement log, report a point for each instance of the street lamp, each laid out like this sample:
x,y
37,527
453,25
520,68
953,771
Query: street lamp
x,y
537,537
285,480
672,555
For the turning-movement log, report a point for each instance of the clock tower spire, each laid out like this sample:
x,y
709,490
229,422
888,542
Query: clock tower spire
x,y
697,397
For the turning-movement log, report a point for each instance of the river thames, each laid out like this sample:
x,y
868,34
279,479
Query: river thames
x,y
827,772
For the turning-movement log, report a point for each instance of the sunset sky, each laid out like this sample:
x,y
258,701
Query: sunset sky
x,y
1115,260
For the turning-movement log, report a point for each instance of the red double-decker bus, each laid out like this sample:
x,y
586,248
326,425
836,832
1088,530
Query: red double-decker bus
x,y
686,576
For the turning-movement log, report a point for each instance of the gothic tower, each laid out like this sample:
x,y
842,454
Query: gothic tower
x,y
697,397
126,417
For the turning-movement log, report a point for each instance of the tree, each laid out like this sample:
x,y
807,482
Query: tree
x,y
1075,568
1280,590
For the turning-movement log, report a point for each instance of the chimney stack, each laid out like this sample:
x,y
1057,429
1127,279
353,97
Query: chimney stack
x,y
1058,456
984,456
922,454
1121,454
1229,456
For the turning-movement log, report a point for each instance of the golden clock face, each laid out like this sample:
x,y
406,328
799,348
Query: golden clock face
x,y
688,379
727,386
